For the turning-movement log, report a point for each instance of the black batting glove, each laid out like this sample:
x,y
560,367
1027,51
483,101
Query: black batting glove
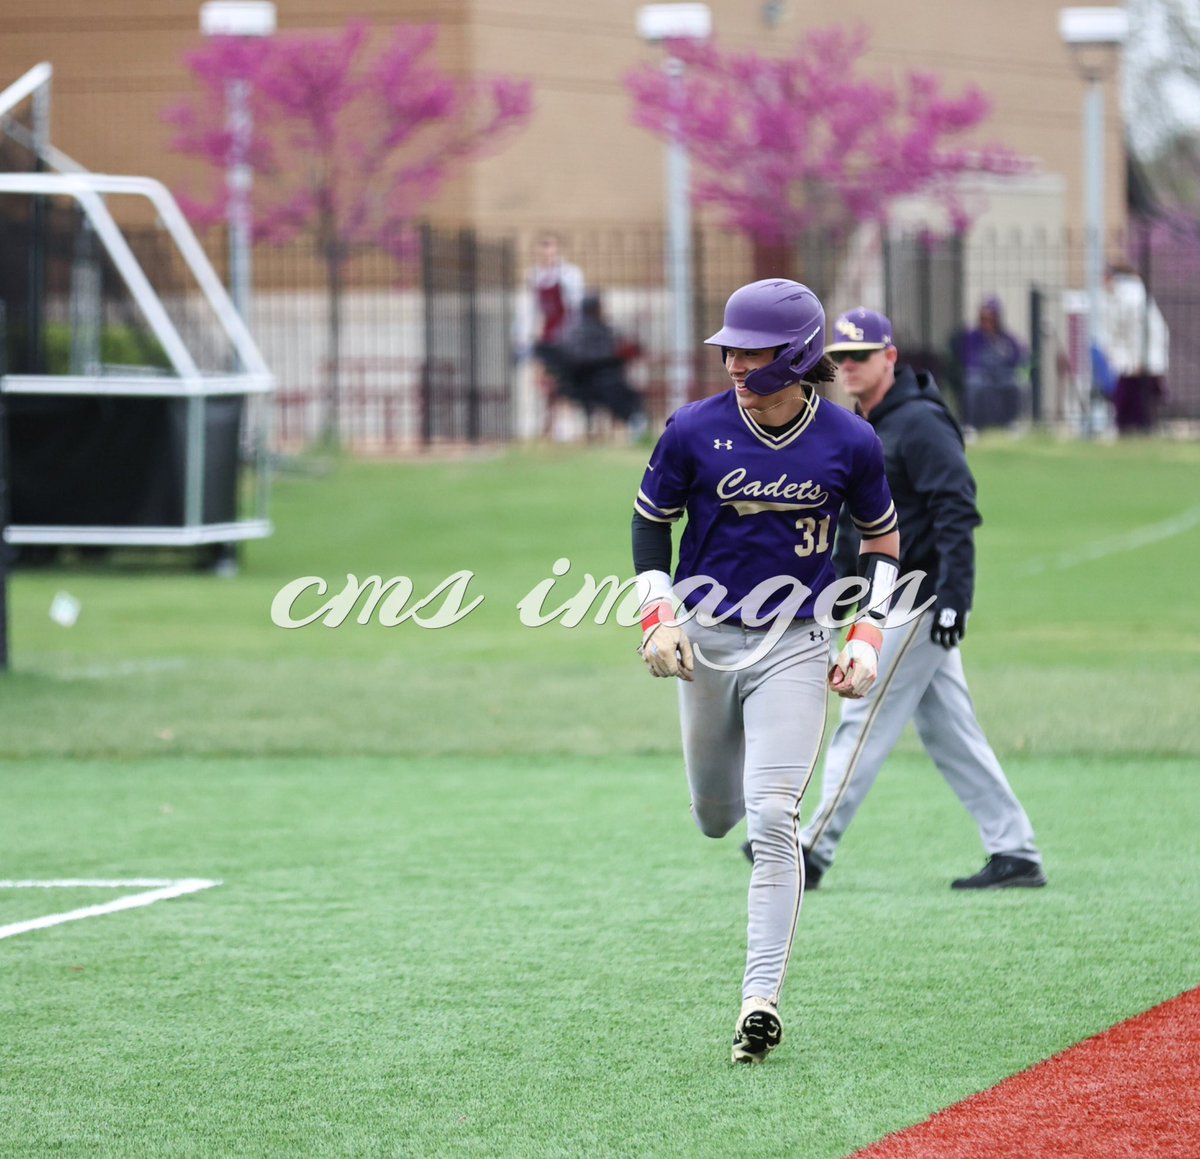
x,y
949,625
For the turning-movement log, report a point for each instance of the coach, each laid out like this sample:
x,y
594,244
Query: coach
x,y
920,667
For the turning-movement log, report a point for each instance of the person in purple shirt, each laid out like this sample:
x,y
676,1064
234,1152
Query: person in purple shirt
x,y
993,363
761,471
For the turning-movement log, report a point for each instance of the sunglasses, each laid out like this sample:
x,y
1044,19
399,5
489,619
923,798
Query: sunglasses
x,y
840,356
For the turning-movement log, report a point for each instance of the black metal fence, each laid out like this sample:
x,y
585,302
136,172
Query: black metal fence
x,y
931,287
935,287
467,369
418,351
431,339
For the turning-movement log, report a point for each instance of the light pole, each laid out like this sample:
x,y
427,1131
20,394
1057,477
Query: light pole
x,y
658,23
239,18
1092,34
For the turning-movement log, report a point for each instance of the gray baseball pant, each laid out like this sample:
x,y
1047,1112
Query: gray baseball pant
x,y
924,682
750,742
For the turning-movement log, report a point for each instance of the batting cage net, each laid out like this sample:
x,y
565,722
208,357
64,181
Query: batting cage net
x,y
133,391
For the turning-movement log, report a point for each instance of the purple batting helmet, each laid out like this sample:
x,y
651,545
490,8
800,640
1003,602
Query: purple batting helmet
x,y
768,314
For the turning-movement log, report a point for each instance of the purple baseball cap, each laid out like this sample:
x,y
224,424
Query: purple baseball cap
x,y
860,329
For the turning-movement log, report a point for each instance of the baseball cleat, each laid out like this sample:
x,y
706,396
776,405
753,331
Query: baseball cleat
x,y
758,1031
1004,871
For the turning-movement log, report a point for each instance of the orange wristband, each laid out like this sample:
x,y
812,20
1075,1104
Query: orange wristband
x,y
656,614
861,631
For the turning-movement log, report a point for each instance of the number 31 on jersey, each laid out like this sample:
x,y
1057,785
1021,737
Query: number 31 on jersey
x,y
814,535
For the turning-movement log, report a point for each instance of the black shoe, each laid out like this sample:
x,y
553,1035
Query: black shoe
x,y
812,871
1003,871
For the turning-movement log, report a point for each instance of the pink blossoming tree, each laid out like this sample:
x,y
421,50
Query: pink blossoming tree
x,y
806,144
347,146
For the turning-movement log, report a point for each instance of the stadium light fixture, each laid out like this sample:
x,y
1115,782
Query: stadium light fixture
x,y
1093,26
658,22
237,18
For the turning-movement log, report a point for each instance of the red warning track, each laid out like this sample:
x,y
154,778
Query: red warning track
x,y
1131,1091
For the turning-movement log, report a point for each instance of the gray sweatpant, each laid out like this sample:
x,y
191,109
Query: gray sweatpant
x,y
750,743
924,682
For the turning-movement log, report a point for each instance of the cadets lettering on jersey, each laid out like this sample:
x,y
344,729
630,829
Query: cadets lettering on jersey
x,y
761,516
732,486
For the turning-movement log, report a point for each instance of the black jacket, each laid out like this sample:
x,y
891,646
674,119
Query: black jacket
x,y
932,487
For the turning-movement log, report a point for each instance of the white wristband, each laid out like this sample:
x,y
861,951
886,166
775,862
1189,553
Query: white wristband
x,y
653,586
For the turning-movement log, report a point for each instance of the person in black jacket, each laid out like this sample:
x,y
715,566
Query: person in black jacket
x,y
920,667
593,374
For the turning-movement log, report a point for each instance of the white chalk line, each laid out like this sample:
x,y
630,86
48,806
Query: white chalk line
x,y
153,889
1130,541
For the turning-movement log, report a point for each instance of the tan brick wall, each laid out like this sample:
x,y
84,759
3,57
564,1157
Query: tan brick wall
x,y
118,65
582,161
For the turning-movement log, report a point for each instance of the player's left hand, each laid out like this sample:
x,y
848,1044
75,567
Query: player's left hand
x,y
949,626
667,651
855,669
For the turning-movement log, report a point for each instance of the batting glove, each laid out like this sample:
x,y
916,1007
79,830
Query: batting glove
x,y
666,650
949,626
857,664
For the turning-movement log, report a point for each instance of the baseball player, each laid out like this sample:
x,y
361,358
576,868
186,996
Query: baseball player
x,y
762,471
920,670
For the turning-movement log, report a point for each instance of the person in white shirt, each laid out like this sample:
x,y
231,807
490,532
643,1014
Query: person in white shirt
x,y
1135,340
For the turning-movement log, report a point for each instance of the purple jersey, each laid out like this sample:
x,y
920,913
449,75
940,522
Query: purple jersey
x,y
761,505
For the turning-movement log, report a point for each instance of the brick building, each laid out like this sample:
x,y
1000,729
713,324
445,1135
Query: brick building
x,y
580,162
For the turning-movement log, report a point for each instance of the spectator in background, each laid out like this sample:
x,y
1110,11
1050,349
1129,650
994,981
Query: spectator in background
x,y
993,363
593,357
1135,341
555,286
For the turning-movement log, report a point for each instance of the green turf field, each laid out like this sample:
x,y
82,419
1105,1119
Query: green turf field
x,y
463,910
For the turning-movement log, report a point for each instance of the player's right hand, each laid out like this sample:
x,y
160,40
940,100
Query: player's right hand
x,y
666,651
857,664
